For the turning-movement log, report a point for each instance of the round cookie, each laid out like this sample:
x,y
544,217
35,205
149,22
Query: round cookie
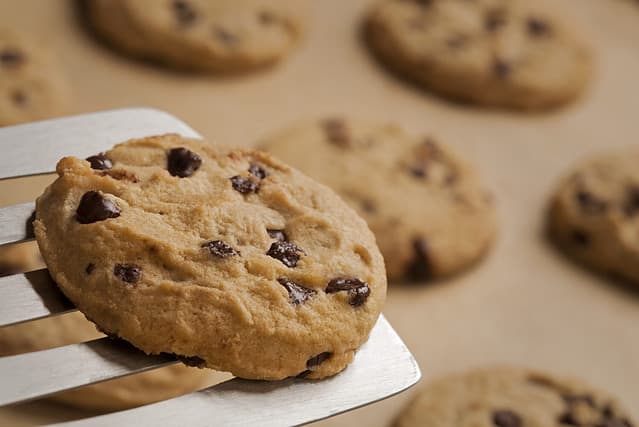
x,y
204,35
504,53
121,393
428,209
511,397
32,84
228,258
594,213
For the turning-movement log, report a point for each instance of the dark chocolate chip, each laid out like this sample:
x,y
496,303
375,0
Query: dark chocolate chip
x,y
418,171
458,41
257,171
89,269
369,206
279,235
286,252
319,359
19,97
225,36
184,12
99,162
420,267
129,273
11,58
589,203
580,237
337,132
95,207
631,203
573,399
568,418
244,185
506,418
220,248
183,162
495,19
358,291
266,17
537,27
297,293
501,68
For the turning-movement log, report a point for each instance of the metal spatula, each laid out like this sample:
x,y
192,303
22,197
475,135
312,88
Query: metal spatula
x,y
382,367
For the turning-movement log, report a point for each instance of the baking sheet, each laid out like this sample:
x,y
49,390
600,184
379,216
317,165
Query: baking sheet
x,y
525,304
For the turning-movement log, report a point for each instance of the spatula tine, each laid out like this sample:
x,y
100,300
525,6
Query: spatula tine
x,y
36,147
30,296
32,375
15,223
382,367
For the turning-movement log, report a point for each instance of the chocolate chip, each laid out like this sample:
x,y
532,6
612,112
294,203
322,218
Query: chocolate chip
x,y
89,269
457,41
288,253
506,418
184,12
631,203
244,185
421,267
95,207
418,171
11,58
495,19
277,235
257,170
319,359
99,162
537,27
225,36
501,68
568,418
129,273
573,399
369,206
183,162
337,132
589,203
297,293
220,248
580,237
19,97
358,291
266,17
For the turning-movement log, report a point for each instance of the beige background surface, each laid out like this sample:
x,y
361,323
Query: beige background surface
x,y
525,304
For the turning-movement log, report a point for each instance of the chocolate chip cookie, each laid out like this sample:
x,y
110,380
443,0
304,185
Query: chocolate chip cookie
x,y
204,35
594,213
32,84
511,397
504,53
227,258
428,209
121,393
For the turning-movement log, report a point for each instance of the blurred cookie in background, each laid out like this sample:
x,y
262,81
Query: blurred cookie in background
x,y
126,392
594,214
502,53
32,83
205,35
430,213
19,258
511,397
